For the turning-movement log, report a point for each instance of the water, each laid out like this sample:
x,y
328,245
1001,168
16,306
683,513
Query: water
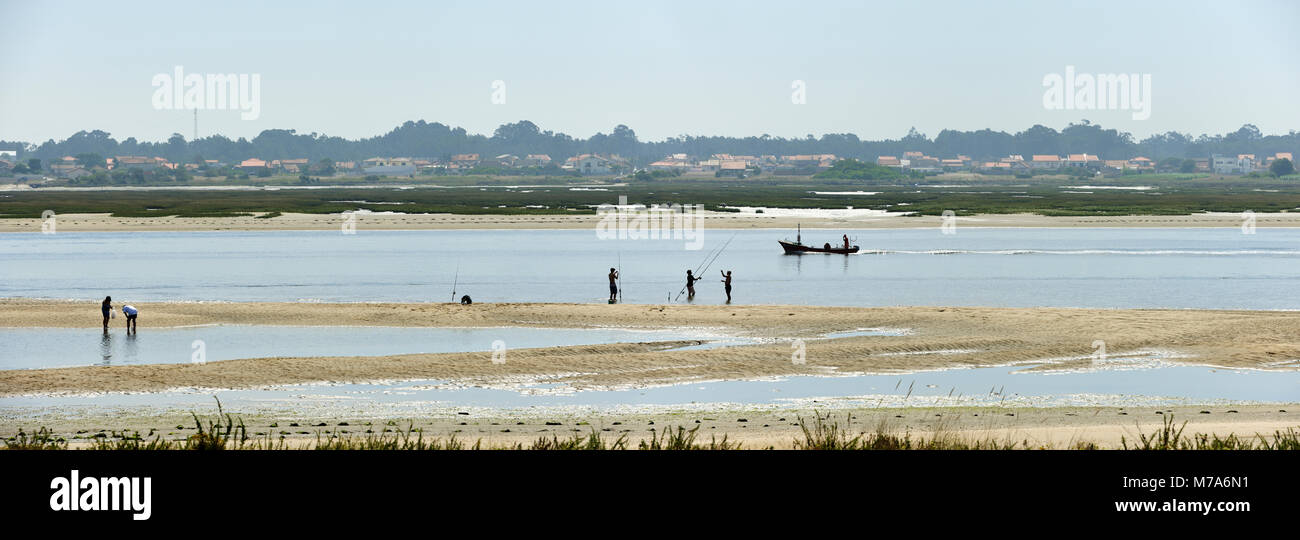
x,y
1157,385
37,348
1100,268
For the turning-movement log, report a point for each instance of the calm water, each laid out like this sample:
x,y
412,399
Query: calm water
x,y
1174,268
35,348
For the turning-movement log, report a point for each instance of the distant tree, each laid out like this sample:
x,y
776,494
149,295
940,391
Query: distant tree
x,y
1281,167
263,172
90,159
1169,164
34,165
1188,166
325,167
852,169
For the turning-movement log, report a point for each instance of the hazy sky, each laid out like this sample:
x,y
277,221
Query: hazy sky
x,y
357,69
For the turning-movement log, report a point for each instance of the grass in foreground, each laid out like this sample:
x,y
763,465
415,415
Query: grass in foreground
x,y
823,432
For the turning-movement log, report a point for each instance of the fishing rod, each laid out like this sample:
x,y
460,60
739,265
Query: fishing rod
x,y
620,276
707,262
715,257
454,282
696,274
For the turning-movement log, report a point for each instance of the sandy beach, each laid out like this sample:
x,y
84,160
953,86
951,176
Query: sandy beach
x,y
936,337
723,220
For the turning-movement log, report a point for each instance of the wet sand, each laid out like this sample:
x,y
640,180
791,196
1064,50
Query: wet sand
x,y
725,220
938,337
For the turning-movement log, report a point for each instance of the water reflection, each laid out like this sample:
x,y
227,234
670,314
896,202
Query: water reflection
x,y
106,348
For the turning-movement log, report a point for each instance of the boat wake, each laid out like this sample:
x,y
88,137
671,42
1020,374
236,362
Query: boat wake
x,y
1136,252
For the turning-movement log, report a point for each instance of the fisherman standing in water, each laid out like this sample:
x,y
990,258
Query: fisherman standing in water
x,y
690,285
613,285
726,283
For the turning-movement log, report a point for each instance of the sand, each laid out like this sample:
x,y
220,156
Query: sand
x,y
1052,428
939,337
725,220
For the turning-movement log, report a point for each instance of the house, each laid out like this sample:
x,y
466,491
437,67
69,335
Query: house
x,y
504,160
388,166
248,165
592,164
1241,164
994,167
668,165
465,160
536,160
1045,161
293,165
924,164
137,162
888,161
733,167
1082,160
1142,163
5,167
952,164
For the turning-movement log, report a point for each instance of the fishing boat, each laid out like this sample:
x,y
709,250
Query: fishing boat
x,y
796,247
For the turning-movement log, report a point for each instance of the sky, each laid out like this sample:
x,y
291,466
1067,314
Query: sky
x,y
664,68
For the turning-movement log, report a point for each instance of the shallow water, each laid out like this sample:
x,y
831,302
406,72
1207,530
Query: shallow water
x,y
1103,268
1140,382
34,348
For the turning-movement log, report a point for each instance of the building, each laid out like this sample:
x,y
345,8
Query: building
x,y
1045,161
733,167
536,160
1082,161
465,160
248,165
1241,164
595,164
389,166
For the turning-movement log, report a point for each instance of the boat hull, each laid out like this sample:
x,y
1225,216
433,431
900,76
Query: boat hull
x,y
792,248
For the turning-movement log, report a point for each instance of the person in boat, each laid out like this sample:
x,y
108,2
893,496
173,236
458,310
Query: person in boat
x,y
613,285
846,241
726,284
690,284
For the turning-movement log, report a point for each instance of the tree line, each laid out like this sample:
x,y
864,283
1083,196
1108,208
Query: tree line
x,y
436,140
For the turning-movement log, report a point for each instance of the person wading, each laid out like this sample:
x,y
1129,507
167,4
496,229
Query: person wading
x,y
690,284
613,285
726,284
107,309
